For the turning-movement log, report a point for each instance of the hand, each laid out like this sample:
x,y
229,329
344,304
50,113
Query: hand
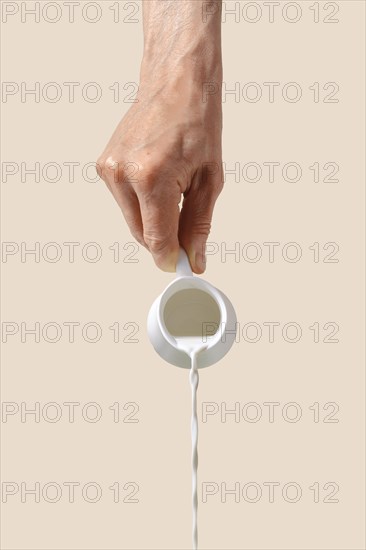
x,y
169,144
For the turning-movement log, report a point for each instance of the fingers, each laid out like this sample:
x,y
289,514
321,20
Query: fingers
x,y
159,204
150,206
125,197
129,204
196,214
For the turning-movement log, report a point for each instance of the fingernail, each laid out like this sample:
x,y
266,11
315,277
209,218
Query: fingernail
x,y
169,261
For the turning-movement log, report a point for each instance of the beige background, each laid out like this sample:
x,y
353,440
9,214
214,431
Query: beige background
x,y
155,451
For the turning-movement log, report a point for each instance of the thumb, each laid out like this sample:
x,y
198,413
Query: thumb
x,y
196,216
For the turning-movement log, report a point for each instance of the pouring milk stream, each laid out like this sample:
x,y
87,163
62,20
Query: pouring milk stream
x,y
192,325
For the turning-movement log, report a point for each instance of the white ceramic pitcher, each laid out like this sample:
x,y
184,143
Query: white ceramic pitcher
x,y
190,307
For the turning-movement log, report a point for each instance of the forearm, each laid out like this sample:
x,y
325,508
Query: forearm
x,y
182,38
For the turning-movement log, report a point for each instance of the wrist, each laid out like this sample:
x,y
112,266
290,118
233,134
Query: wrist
x,y
180,66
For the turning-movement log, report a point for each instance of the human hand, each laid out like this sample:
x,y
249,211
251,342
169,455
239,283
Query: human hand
x,y
169,144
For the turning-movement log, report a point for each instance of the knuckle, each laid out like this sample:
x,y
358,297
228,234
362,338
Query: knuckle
x,y
157,243
201,226
99,166
109,169
148,176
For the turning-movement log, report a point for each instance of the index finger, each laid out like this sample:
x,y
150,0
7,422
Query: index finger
x,y
159,206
